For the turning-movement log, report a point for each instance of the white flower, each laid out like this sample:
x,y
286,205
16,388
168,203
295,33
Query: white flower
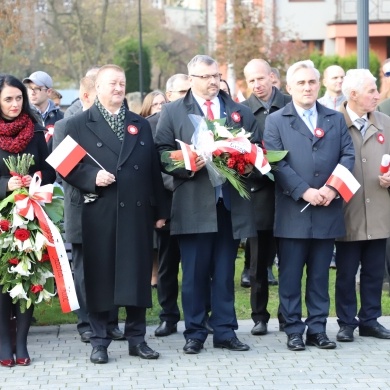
x,y
18,292
43,275
22,268
222,131
17,220
243,133
24,246
6,241
40,242
44,295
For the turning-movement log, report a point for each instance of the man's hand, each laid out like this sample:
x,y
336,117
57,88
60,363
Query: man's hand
x,y
328,194
384,180
314,197
199,163
104,178
160,223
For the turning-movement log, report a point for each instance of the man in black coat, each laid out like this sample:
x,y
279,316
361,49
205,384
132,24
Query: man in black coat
x,y
73,201
208,222
265,99
122,203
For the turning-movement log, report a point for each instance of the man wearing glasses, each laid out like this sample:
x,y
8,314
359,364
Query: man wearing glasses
x,y
39,85
208,222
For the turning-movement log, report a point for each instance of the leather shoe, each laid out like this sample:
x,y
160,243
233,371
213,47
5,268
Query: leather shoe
x,y
345,334
115,334
259,329
192,346
233,344
245,281
320,340
86,336
295,342
378,331
99,355
23,361
7,363
165,329
143,351
271,278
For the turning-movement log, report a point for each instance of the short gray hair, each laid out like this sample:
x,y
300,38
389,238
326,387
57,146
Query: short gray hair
x,y
171,81
354,80
200,59
307,64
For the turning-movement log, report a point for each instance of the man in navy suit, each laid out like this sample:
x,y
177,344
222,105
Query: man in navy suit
x,y
317,139
207,221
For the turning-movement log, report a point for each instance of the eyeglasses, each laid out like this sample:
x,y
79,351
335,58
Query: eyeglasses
x,y
386,74
38,89
208,76
158,104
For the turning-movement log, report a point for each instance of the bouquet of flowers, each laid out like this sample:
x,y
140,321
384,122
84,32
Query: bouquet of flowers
x,y
227,152
25,267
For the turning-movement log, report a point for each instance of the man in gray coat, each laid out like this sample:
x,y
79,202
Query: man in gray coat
x,y
317,140
367,214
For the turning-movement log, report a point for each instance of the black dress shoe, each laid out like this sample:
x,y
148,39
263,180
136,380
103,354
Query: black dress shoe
x,y
345,334
245,281
271,278
99,355
115,334
192,346
233,344
378,331
143,351
259,329
320,340
165,329
86,336
295,342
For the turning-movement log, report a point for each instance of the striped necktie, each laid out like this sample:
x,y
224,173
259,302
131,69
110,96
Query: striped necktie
x,y
361,125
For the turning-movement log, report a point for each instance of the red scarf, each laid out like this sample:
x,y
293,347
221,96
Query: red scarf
x,y
15,135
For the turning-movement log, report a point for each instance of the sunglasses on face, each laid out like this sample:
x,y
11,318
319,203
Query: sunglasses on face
x,y
387,74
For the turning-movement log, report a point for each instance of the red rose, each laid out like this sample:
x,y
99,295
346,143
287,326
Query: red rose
x,y
4,225
45,257
36,288
13,261
22,234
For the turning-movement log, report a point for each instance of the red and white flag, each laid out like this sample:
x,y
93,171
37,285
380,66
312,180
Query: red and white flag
x,y
66,156
258,159
188,157
344,182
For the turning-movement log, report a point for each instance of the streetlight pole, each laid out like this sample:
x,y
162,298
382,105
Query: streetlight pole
x,y
140,74
362,34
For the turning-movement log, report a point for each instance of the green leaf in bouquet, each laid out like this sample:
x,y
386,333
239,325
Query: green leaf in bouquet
x,y
275,155
58,192
55,210
9,199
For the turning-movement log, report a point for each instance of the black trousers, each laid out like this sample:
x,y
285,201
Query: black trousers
x,y
370,255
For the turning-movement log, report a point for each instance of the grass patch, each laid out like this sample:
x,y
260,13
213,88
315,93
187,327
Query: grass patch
x,y
52,314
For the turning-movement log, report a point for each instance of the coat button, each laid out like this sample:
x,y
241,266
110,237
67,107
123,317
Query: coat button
x,y
139,203
99,144
368,200
142,143
119,168
316,174
315,148
364,160
369,236
121,204
136,167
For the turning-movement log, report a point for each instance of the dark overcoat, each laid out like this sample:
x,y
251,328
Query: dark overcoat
x,y
38,148
262,187
193,205
309,163
117,228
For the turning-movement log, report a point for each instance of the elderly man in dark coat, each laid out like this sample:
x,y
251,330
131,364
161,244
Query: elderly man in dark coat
x,y
122,203
207,222
317,140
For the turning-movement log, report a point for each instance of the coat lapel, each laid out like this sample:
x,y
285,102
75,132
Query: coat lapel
x,y
132,131
296,123
98,125
323,123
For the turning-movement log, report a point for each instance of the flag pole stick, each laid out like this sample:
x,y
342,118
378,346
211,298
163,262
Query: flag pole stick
x,y
305,207
96,161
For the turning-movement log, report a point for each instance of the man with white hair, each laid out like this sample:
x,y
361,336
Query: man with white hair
x,y
367,214
317,141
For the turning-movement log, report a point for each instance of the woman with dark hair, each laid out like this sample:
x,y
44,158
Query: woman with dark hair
x,y
153,103
224,86
19,133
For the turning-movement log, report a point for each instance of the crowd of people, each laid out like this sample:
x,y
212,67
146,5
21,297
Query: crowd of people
x,y
132,223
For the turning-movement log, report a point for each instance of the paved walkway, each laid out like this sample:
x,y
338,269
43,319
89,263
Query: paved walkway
x,y
61,361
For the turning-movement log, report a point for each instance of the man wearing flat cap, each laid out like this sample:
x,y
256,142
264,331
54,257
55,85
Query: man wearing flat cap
x,y
39,86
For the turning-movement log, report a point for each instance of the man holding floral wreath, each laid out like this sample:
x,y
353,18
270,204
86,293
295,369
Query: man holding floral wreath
x,y
208,221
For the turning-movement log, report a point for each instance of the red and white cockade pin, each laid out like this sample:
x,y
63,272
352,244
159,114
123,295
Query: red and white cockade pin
x,y
318,132
380,138
236,116
132,129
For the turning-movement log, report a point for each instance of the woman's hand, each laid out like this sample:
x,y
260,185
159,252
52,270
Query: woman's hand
x,y
26,180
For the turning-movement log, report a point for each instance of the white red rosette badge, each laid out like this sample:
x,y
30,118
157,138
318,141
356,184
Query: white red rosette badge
x,y
380,138
133,130
318,132
236,116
